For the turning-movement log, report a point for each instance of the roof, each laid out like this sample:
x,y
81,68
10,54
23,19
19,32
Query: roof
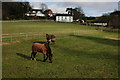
x,y
63,15
36,10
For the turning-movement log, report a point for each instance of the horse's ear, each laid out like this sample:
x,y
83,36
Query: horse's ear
x,y
47,35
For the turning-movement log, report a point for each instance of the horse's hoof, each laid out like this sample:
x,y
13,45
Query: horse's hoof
x,y
34,59
50,62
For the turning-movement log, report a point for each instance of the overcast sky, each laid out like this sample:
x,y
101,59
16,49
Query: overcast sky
x,y
90,8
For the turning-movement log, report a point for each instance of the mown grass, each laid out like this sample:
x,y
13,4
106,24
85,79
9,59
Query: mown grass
x,y
80,52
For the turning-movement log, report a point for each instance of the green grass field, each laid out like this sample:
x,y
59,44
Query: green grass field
x,y
80,52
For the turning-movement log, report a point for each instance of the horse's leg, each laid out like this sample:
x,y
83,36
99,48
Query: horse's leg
x,y
34,55
46,57
50,58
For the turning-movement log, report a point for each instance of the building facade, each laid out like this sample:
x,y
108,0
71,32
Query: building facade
x,y
40,13
64,18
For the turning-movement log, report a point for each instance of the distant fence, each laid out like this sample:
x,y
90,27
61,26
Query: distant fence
x,y
27,20
14,37
19,36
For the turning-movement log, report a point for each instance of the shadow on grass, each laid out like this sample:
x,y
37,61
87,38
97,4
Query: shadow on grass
x,y
87,54
23,56
100,40
27,57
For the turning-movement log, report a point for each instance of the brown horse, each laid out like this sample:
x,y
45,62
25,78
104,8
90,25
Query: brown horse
x,y
43,48
50,38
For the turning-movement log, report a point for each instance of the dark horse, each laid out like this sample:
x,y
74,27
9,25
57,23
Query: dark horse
x,y
50,38
43,48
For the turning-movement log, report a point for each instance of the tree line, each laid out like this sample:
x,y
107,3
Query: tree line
x,y
17,10
76,12
112,19
14,10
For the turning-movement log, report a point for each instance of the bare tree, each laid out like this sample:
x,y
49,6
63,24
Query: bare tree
x,y
69,10
77,12
43,7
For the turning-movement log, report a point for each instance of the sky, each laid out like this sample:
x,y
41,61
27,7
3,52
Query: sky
x,y
90,8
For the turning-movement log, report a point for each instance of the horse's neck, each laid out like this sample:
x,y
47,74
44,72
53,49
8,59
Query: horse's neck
x,y
48,48
47,45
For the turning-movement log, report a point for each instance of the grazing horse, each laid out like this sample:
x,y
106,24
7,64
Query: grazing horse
x,y
50,38
43,48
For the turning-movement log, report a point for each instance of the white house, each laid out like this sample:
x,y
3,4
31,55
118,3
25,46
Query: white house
x,y
35,12
39,12
64,18
100,24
